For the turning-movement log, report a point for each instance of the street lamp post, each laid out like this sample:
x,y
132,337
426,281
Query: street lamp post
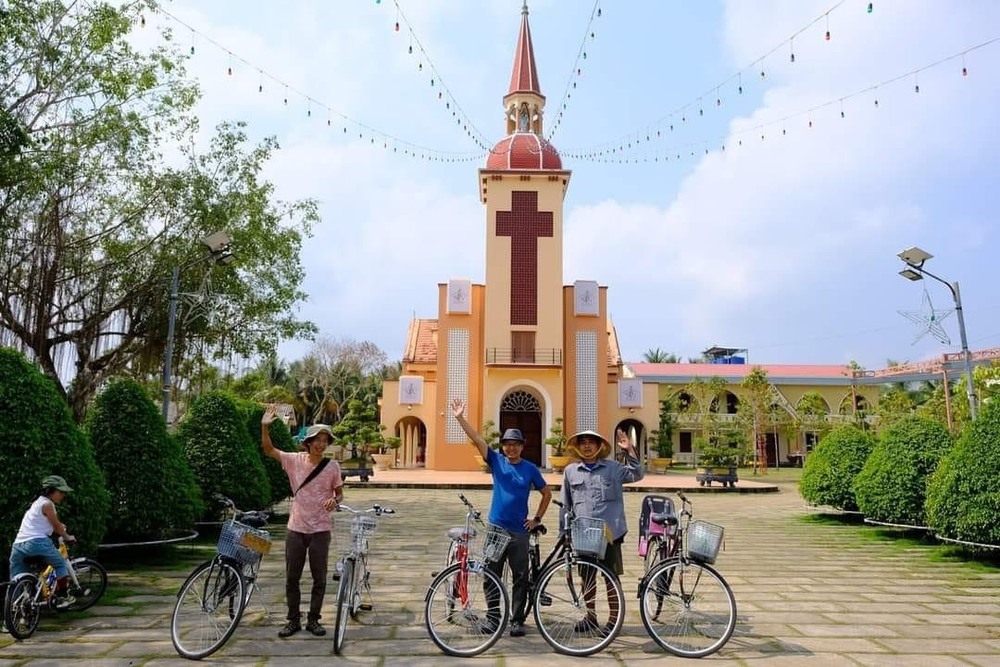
x,y
914,259
220,250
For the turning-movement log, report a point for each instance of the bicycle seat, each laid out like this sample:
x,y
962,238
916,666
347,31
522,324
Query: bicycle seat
x,y
35,562
539,530
664,519
457,534
254,519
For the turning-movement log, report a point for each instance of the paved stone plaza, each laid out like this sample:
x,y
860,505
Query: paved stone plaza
x,y
808,593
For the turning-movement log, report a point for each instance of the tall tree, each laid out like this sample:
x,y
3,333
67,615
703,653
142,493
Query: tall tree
x,y
93,216
336,371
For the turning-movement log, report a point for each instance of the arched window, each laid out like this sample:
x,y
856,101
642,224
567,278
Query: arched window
x,y
520,401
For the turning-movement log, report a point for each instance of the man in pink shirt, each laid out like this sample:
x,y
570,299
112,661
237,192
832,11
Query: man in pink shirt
x,y
317,489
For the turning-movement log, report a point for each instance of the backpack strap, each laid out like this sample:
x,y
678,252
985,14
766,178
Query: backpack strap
x,y
312,473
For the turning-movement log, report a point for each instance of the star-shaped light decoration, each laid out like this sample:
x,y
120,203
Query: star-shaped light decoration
x,y
930,319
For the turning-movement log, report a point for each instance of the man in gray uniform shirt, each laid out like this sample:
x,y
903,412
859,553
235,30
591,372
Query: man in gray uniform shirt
x,y
592,486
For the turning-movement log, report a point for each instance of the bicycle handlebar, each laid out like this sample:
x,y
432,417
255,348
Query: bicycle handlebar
x,y
377,510
473,512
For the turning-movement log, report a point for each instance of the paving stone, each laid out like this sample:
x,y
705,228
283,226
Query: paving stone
x,y
807,593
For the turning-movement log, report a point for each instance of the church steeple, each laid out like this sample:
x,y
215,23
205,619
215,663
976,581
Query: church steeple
x,y
524,102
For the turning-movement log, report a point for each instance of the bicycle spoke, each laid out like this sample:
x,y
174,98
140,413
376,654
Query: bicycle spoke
x,y
579,607
208,609
466,611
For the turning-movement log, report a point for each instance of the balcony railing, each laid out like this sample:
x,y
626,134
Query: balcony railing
x,y
537,356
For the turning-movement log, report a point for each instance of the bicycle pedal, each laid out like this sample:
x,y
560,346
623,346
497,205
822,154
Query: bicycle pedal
x,y
545,600
364,606
336,576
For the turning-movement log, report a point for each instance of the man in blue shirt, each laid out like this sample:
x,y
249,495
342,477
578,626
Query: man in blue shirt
x,y
513,479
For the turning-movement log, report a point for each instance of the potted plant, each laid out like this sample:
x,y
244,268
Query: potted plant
x,y
557,441
492,437
717,462
385,454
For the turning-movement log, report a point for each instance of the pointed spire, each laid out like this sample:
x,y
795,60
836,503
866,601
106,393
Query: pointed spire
x,y
524,78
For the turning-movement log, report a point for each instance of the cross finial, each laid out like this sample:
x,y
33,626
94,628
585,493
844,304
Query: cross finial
x,y
524,7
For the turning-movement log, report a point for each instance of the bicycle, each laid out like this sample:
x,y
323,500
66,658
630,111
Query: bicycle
x,y
211,602
30,592
686,606
460,621
352,570
566,592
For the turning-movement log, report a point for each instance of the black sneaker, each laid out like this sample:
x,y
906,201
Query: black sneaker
x,y
517,629
291,627
315,628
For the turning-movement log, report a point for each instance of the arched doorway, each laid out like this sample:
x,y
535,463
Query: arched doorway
x,y
521,409
412,433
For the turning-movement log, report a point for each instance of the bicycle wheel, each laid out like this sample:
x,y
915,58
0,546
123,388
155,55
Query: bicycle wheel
x,y
208,609
345,600
466,609
579,606
93,580
687,608
21,610
653,553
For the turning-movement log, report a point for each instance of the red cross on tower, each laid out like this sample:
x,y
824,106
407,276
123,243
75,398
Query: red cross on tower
x,y
524,224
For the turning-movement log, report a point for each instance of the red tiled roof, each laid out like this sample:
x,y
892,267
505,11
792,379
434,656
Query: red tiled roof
x,y
523,150
524,77
421,342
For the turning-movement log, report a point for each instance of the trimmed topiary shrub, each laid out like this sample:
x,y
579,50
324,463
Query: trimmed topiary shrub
x,y
892,485
152,487
830,470
963,498
217,446
40,438
280,438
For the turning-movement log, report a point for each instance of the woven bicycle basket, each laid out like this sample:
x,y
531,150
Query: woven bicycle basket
x,y
703,541
243,543
589,536
363,526
491,543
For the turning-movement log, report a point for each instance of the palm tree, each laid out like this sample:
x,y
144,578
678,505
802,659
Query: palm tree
x,y
658,356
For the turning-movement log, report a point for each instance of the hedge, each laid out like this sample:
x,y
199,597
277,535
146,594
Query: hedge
x,y
892,486
963,498
830,470
41,438
280,438
153,490
218,447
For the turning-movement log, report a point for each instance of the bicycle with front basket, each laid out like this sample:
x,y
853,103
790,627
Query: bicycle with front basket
x,y
211,602
466,607
686,606
352,570
33,591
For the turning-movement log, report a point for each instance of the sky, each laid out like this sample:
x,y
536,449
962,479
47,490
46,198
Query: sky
x,y
783,242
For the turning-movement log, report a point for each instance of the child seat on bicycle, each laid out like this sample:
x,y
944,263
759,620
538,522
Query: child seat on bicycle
x,y
657,516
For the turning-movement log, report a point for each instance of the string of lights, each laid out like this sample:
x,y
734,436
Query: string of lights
x,y
696,107
436,80
577,70
690,149
348,125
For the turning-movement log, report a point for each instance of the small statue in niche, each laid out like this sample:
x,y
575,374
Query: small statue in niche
x,y
522,119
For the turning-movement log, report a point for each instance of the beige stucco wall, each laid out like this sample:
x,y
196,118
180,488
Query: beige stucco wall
x,y
548,331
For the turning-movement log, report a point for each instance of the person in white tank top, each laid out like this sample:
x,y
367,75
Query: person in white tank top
x,y
34,537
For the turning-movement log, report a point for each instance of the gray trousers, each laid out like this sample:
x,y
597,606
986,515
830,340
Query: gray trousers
x,y
297,547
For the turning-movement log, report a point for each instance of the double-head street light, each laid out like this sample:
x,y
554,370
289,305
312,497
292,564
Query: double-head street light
x,y
914,259
220,249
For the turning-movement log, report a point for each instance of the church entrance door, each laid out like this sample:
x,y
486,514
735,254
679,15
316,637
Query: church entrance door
x,y
520,409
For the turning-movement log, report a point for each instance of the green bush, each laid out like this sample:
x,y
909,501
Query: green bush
x,y
830,470
892,485
218,447
963,498
280,438
151,485
40,438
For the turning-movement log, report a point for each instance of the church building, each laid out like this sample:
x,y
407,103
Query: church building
x,y
522,349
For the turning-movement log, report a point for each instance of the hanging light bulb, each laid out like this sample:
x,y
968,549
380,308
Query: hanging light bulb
x,y
142,21
763,75
260,88
871,7
876,104
598,12
810,123
827,35
397,26
584,55
791,58
411,48
965,71
229,70
420,67
432,83
916,87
